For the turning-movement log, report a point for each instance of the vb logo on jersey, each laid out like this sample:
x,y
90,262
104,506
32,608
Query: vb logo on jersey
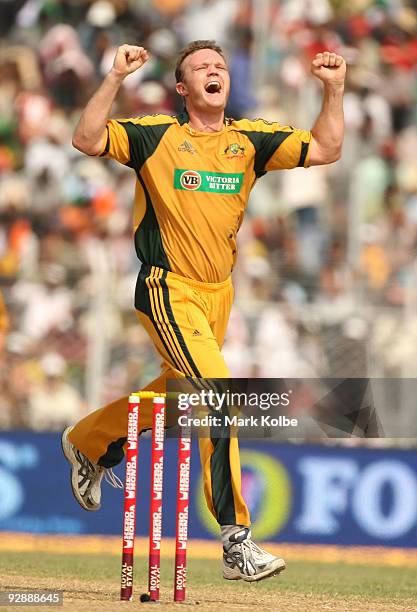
x,y
190,180
219,182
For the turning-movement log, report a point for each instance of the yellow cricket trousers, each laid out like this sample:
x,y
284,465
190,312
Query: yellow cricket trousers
x,y
187,322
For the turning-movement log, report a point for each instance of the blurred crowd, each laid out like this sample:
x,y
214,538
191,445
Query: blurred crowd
x,y
326,284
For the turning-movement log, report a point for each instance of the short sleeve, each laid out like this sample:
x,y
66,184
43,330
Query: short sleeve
x,y
116,142
277,147
133,141
292,152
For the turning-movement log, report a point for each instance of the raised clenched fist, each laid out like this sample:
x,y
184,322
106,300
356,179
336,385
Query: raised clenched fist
x,y
128,59
329,67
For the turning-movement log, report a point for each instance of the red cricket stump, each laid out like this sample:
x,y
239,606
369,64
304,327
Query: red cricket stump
x,y
155,528
129,515
157,469
183,494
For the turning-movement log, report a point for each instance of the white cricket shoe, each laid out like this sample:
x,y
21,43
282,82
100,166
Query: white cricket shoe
x,y
245,560
86,476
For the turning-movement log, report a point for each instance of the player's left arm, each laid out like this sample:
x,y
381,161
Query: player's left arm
x,y
327,133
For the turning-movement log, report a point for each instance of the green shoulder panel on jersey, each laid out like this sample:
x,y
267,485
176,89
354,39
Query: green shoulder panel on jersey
x,y
265,136
144,135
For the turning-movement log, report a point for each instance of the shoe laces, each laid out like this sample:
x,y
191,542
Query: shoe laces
x,y
112,479
255,550
248,550
86,469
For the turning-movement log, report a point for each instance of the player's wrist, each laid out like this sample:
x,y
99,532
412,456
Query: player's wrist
x,y
334,87
116,77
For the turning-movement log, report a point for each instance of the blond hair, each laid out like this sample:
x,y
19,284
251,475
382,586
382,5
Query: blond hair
x,y
195,45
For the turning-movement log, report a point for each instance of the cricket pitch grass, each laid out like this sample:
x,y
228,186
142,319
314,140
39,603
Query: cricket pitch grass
x,y
87,570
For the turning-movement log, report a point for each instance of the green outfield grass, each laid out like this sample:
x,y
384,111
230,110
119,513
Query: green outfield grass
x,y
338,581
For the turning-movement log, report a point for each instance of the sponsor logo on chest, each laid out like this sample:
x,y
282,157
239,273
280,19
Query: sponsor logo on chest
x,y
213,182
187,147
234,151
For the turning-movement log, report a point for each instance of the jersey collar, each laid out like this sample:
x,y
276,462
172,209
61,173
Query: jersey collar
x,y
183,117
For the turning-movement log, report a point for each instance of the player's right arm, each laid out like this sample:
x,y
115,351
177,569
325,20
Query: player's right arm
x,y
90,133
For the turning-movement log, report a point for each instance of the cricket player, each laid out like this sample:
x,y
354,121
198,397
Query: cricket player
x,y
194,174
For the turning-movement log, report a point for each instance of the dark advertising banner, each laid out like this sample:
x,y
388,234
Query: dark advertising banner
x,y
296,493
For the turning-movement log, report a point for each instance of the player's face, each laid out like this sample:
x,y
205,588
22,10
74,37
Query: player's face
x,y
206,82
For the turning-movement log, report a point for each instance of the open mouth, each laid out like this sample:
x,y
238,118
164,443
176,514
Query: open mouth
x,y
213,87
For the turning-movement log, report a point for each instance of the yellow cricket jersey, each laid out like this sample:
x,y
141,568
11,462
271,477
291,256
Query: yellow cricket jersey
x,y
192,187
